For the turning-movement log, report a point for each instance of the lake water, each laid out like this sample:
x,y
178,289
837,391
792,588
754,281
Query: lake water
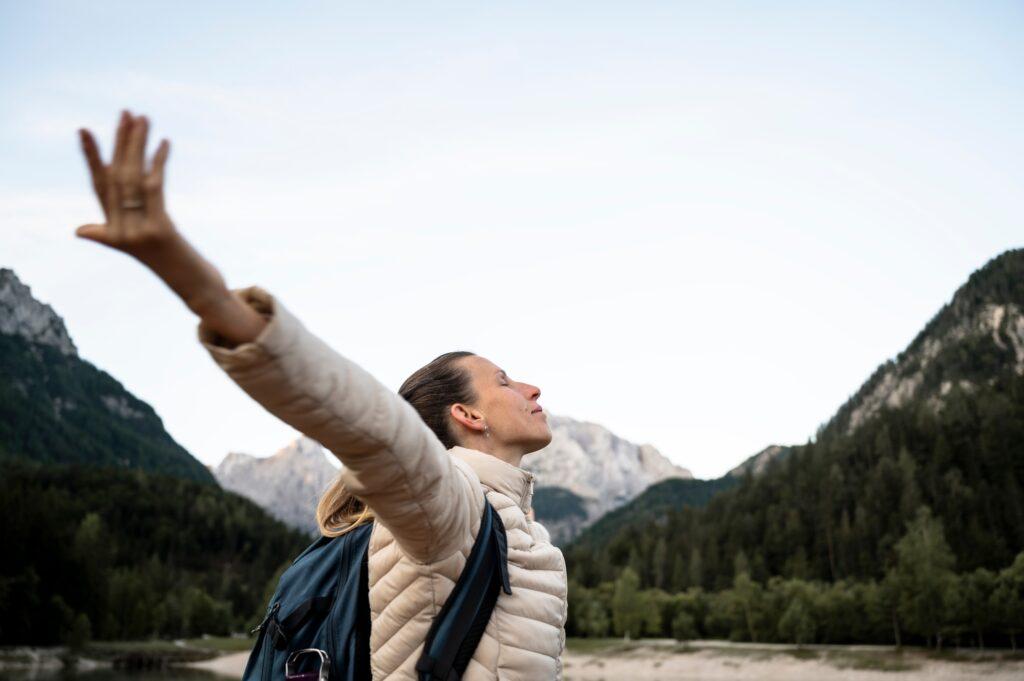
x,y
696,667
175,674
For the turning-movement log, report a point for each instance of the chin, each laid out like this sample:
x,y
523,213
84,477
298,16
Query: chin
x,y
542,441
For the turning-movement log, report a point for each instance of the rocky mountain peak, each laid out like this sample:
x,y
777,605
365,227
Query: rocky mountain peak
x,y
286,484
979,331
22,315
594,463
303,448
598,468
586,469
234,460
757,463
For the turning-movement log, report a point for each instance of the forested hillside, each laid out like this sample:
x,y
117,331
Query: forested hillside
x,y
835,509
117,554
57,408
657,501
110,529
932,445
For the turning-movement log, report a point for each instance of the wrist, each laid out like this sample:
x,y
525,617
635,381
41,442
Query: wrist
x,y
229,318
210,302
198,283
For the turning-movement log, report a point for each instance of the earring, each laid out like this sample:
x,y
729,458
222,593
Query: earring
x,y
487,431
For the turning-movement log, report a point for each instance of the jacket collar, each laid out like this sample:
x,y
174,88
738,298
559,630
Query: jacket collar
x,y
513,482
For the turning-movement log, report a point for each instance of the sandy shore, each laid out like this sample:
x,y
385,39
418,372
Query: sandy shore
x,y
723,665
724,662
231,665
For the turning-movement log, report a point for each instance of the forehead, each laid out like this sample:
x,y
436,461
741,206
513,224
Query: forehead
x,y
481,366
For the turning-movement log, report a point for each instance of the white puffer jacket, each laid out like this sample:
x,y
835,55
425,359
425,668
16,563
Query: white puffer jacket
x,y
428,503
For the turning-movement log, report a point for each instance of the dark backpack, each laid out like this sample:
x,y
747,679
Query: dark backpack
x,y
317,626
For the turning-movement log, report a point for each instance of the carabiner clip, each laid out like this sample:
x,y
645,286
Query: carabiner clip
x,y
321,675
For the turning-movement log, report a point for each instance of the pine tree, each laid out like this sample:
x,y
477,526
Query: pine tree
x,y
627,609
658,563
1007,601
923,574
696,568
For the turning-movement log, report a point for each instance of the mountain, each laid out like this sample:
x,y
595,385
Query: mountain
x,y
976,336
758,463
113,531
586,471
654,503
673,494
24,316
287,484
56,407
938,430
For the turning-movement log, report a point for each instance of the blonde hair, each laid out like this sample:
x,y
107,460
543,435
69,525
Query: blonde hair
x,y
339,511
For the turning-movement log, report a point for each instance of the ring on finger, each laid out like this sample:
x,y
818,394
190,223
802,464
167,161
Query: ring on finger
x,y
132,204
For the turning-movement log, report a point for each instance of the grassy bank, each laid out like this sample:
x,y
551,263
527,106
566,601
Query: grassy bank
x,y
148,654
160,654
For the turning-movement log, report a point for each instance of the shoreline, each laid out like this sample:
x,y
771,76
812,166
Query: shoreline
x,y
230,666
642,660
657,660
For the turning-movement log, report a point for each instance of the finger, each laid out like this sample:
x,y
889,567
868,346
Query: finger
x,y
115,213
130,177
124,125
163,150
92,153
154,182
135,154
115,216
97,170
97,233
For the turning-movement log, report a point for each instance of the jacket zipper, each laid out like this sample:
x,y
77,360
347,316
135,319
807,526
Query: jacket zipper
x,y
270,613
267,659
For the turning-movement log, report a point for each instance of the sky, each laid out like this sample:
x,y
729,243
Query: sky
x,y
701,225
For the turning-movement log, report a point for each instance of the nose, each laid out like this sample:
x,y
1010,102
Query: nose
x,y
532,391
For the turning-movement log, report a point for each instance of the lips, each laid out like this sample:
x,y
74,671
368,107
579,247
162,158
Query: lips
x,y
537,410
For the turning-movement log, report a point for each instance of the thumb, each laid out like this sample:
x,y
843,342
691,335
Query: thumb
x,y
97,233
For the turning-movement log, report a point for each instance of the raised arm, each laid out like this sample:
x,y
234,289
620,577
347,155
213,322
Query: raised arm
x,y
393,461
131,194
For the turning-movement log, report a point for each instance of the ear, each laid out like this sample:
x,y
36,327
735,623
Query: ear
x,y
470,418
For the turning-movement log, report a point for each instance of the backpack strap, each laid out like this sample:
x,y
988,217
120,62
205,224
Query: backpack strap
x,y
457,629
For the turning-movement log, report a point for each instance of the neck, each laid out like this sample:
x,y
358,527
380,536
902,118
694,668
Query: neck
x,y
510,454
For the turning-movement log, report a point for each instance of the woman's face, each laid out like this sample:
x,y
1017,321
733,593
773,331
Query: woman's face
x,y
508,407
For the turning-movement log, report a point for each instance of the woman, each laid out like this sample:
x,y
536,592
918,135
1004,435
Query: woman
x,y
420,466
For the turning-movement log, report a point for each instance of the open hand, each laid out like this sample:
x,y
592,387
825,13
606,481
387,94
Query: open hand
x,y
129,190
132,196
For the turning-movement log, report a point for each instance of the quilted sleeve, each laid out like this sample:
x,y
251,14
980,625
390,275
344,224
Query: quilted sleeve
x,y
539,532
393,461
